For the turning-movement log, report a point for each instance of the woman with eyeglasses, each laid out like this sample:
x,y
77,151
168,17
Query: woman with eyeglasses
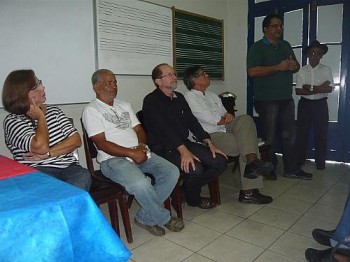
x,y
39,135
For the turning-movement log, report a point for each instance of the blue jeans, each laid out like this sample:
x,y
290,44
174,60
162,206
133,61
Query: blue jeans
x,y
206,171
74,174
150,197
343,229
278,121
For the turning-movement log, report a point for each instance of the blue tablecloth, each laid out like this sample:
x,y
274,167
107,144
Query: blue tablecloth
x,y
44,219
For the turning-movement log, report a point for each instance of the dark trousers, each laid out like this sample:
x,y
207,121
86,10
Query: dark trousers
x,y
278,120
312,114
207,170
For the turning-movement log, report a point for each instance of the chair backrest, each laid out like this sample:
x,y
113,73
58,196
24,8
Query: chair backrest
x,y
90,150
75,152
139,115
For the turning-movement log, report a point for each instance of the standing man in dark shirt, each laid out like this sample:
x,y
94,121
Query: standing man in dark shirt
x,y
168,120
271,63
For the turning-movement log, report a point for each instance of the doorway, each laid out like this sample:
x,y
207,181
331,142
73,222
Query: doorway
x,y
305,21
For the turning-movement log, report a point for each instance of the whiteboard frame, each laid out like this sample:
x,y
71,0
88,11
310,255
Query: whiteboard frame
x,y
133,49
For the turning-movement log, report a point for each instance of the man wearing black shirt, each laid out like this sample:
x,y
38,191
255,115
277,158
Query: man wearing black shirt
x,y
169,121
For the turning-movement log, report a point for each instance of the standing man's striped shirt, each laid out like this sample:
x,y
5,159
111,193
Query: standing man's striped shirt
x,y
20,130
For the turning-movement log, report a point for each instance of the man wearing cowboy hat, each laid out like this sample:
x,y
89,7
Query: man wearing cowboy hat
x,y
313,83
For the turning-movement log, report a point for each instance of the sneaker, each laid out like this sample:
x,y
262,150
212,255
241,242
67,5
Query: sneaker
x,y
323,236
255,197
175,224
299,174
271,176
258,168
153,229
314,255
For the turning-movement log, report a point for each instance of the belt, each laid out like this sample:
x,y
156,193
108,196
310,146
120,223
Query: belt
x,y
313,100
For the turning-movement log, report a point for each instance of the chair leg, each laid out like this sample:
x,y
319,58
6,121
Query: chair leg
x,y
167,204
113,213
176,195
123,204
214,191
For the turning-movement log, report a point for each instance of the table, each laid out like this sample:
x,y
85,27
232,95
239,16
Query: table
x,y
45,219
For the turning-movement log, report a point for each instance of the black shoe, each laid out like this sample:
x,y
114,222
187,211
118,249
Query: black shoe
x,y
323,236
271,176
257,168
254,197
299,174
314,255
321,166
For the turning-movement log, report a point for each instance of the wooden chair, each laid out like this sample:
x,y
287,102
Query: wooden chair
x,y
214,189
104,190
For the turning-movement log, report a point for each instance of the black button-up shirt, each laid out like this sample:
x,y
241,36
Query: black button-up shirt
x,y
168,121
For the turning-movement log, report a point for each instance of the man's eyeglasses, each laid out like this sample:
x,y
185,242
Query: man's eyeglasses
x,y
201,74
168,75
38,83
276,26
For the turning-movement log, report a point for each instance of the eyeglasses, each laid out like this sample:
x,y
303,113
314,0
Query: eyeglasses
x,y
201,74
38,83
276,26
168,75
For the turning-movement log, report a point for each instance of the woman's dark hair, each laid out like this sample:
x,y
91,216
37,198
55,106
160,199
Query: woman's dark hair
x,y
17,85
267,20
190,73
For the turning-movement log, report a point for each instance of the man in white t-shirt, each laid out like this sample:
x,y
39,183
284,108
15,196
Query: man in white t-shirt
x,y
124,156
234,135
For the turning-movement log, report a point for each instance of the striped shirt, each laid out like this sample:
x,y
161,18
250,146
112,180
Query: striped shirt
x,y
20,130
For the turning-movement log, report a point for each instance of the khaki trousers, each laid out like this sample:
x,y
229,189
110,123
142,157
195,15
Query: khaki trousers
x,y
240,139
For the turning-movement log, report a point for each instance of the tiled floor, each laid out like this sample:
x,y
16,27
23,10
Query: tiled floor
x,y
280,231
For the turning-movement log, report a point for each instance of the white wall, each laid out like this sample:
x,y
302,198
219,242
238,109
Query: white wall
x,y
134,88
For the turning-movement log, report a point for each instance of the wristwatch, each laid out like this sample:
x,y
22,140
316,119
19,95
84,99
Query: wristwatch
x,y
48,154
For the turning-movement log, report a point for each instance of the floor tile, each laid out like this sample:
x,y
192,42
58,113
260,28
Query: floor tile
x,y
255,233
292,246
325,213
160,250
197,258
230,249
193,236
276,232
287,203
233,206
305,225
217,220
275,217
269,256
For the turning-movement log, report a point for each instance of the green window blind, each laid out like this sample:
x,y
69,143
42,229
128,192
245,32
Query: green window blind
x,y
198,40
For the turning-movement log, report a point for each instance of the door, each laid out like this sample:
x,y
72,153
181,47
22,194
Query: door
x,y
305,21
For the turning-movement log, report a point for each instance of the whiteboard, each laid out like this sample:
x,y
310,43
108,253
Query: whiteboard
x,y
55,38
133,36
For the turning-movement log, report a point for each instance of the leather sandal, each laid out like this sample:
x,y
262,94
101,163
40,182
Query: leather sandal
x,y
153,229
206,203
175,224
